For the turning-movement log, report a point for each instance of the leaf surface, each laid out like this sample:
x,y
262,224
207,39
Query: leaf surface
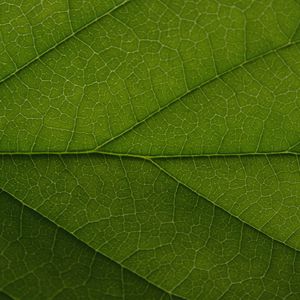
x,y
152,147
120,70
39,260
31,29
134,213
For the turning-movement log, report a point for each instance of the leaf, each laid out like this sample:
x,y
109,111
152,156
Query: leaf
x,y
39,260
154,145
29,30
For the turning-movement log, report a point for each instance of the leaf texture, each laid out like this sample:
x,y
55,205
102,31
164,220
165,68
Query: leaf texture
x,y
29,29
137,66
39,260
153,225
150,149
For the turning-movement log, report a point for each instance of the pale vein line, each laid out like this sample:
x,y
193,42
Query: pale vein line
x,y
90,247
185,186
207,155
5,293
64,40
210,201
189,91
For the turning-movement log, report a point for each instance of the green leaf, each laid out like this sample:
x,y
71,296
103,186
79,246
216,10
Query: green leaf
x,y
150,149
39,260
29,29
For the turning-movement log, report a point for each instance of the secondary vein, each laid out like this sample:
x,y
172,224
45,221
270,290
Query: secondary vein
x,y
63,41
204,197
87,245
253,59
